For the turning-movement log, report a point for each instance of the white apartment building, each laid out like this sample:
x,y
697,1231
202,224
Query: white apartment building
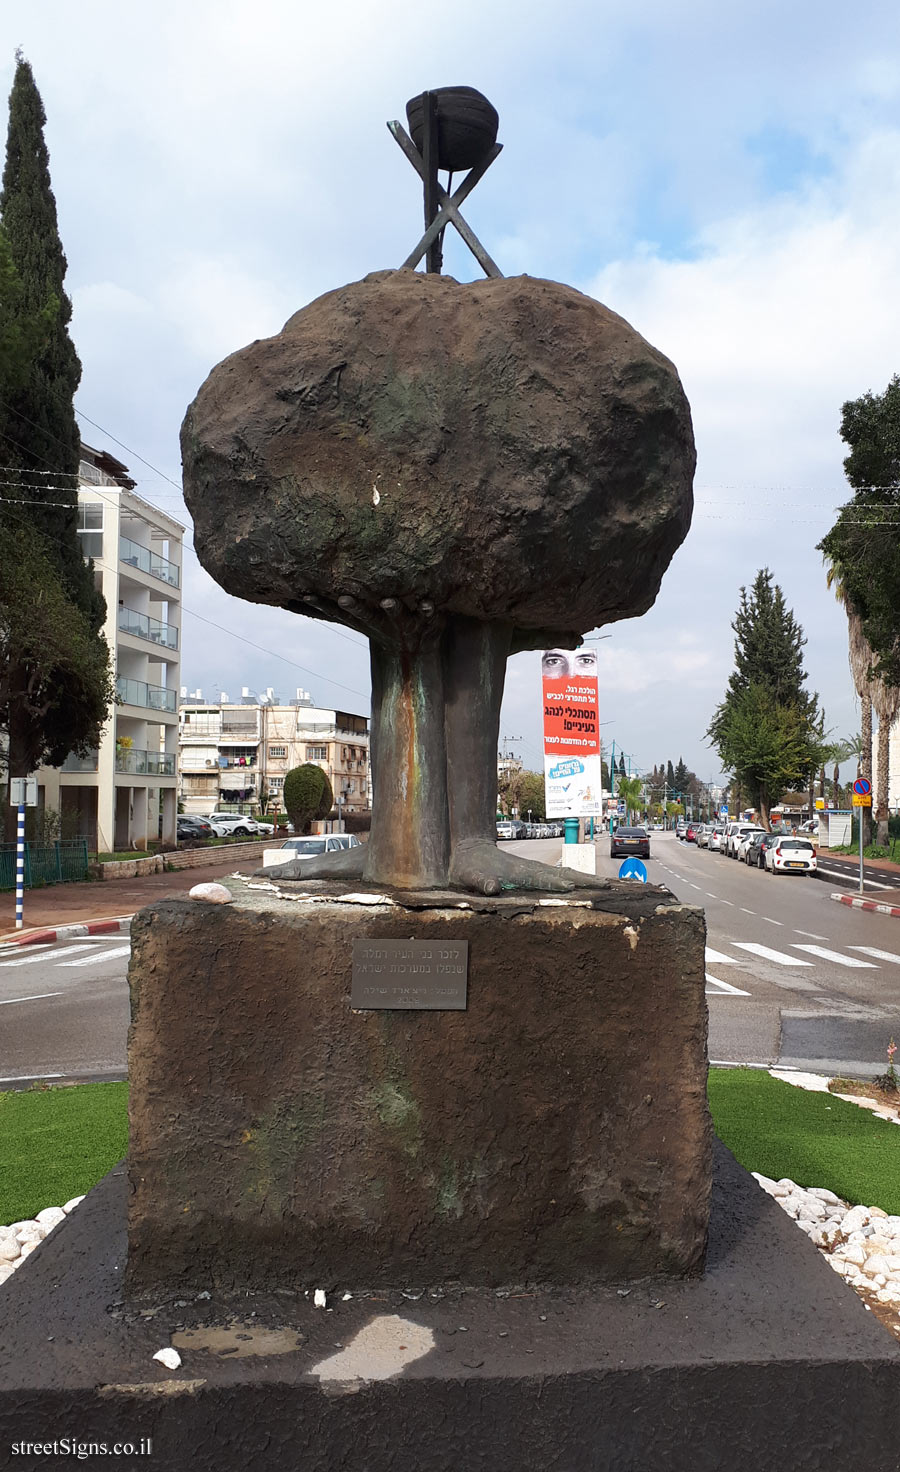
x,y
124,793
236,755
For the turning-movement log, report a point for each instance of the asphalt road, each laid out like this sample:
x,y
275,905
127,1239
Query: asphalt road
x,y
793,978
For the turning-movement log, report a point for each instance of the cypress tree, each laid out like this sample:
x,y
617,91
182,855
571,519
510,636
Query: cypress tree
x,y
56,700
768,730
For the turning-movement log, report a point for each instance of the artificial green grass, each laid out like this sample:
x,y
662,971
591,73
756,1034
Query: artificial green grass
x,y
814,1139
57,1143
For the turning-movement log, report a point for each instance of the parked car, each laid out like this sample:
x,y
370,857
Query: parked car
x,y
264,828
734,832
681,828
511,828
791,856
755,849
741,840
227,825
629,841
702,831
308,847
716,838
187,826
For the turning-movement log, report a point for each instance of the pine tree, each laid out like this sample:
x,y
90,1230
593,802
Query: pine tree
x,y
670,777
768,730
52,700
682,776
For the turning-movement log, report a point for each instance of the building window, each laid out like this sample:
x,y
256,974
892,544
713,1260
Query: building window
x,y
275,784
317,753
90,516
277,752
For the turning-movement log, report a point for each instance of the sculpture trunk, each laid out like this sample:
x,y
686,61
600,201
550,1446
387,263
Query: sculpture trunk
x,y
409,843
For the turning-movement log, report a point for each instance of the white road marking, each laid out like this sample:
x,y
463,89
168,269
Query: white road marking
x,y
710,896
835,956
15,949
728,902
769,955
718,959
29,960
39,996
812,935
724,987
95,957
771,922
746,911
874,951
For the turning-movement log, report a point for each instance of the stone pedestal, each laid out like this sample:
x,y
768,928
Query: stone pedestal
x,y
556,1131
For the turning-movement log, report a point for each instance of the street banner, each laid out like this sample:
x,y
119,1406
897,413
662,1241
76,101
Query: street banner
x,y
572,767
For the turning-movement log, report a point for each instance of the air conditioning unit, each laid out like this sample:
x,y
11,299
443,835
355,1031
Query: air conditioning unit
x,y
210,764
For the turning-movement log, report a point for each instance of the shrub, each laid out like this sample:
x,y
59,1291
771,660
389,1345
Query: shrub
x,y
307,795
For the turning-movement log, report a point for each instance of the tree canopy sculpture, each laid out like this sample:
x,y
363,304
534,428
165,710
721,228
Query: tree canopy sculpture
x,y
457,472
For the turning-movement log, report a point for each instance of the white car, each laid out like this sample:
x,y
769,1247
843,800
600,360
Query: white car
x,y
733,832
716,840
266,829
226,825
308,847
740,840
791,856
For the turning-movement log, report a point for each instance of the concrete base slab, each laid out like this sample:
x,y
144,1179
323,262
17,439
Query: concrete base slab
x,y
768,1362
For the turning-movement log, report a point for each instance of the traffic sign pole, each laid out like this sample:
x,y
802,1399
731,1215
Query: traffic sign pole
x,y
862,797
20,868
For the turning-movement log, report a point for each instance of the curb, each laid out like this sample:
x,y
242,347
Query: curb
x,y
64,932
862,904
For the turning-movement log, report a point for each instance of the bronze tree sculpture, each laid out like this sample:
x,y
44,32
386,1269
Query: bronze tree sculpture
x,y
457,471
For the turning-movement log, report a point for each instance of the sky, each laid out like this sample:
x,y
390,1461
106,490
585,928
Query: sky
x,y
727,178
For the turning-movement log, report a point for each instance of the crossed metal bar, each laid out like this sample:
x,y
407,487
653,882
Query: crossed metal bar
x,y
448,214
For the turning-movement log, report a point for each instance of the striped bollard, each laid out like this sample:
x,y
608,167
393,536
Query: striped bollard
x,y
20,867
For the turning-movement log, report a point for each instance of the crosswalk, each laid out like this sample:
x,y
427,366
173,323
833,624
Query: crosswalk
x,y
95,952
795,956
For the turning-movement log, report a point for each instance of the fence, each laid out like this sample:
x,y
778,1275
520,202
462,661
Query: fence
x,y
54,863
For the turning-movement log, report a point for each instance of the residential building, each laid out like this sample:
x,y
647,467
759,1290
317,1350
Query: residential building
x,y
235,755
124,793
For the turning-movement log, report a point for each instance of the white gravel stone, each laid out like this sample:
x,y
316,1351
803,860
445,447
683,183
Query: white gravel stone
x,y
6,1271
319,1298
168,1357
71,1205
9,1249
876,1212
29,1247
31,1232
212,894
822,1194
51,1217
856,1219
853,1254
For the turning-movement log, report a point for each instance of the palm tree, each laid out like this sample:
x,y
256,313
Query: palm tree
x,y
861,662
886,700
630,788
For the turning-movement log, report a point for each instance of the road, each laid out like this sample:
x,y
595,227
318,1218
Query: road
x,y
63,1010
793,978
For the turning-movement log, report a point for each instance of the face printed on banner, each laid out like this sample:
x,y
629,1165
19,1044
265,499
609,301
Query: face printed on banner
x,y
557,663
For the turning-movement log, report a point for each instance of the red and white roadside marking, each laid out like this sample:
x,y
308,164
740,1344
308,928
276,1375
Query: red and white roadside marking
x,y
859,903
67,932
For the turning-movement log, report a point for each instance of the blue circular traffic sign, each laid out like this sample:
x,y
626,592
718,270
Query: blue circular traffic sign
x,y
633,869
862,787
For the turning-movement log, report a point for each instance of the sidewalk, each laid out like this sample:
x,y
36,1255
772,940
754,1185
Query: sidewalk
x,y
881,882
59,905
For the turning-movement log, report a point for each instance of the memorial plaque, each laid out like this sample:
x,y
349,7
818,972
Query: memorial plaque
x,y
411,975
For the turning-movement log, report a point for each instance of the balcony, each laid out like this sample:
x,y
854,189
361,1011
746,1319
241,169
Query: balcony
x,y
75,763
150,697
149,562
145,763
142,626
